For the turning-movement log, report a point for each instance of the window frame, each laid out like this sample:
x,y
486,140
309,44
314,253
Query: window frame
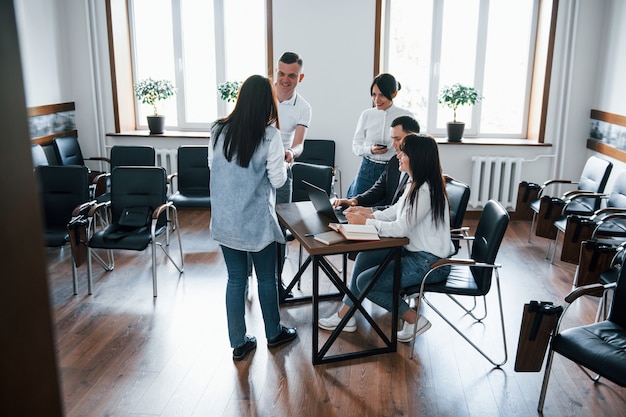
x,y
125,109
539,71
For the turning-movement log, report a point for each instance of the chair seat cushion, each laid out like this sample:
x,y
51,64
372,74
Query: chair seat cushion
x,y
600,347
614,227
534,205
191,200
137,239
460,281
579,207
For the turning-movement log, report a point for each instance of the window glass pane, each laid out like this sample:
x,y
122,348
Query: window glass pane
x,y
409,54
199,60
458,53
245,49
189,43
154,51
506,67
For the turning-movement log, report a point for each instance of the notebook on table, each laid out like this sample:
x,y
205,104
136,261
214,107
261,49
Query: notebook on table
x,y
322,204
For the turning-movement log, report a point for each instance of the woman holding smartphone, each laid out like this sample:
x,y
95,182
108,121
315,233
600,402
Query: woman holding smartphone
x,y
372,139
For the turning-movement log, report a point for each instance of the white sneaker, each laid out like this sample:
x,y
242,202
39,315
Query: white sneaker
x,y
406,334
331,323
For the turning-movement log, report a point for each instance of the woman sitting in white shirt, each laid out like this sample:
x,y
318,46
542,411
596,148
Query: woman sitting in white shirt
x,y
422,214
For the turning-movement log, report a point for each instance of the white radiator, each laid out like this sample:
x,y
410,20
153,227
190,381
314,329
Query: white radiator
x,y
168,159
495,177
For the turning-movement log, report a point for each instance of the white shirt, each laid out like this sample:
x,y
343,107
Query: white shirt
x,y
423,233
374,127
291,113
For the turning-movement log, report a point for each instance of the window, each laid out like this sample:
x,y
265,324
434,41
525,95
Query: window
x,y
196,44
487,44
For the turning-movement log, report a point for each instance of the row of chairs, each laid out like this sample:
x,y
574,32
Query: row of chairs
x,y
600,347
67,191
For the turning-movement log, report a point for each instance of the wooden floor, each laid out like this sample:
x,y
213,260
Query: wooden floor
x,y
122,352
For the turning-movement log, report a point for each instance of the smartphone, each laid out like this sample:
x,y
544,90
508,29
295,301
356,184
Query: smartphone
x,y
381,145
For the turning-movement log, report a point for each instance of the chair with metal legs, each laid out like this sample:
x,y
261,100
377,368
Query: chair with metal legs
x,y
140,214
470,277
599,347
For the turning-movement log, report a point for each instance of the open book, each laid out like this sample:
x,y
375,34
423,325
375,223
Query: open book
x,y
356,231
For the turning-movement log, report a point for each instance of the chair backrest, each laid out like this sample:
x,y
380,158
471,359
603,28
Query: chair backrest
x,y
39,155
67,150
458,198
137,186
193,170
594,177
492,225
319,175
617,196
318,151
617,314
122,155
62,189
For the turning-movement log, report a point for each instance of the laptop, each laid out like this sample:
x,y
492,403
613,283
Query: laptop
x,y
322,204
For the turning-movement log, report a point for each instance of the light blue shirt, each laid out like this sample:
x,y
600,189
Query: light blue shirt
x,y
243,214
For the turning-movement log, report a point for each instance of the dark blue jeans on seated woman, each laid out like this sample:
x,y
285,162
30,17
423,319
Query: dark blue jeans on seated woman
x,y
414,265
366,177
265,266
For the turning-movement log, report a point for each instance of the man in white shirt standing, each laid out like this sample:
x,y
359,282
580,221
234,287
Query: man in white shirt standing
x,y
294,114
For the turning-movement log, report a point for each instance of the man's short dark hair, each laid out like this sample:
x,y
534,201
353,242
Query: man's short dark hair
x,y
291,58
408,123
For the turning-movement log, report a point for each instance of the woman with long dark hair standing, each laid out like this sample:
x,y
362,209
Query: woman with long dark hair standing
x,y
247,165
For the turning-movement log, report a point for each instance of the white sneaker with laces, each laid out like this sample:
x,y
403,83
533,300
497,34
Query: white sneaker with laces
x,y
331,323
406,334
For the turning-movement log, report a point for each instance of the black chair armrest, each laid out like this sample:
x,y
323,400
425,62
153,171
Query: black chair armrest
x,y
553,182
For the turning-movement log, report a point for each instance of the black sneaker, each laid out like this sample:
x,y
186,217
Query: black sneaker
x,y
286,335
240,353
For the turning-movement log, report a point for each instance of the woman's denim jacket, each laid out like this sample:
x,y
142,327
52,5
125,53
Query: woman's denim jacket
x,y
243,200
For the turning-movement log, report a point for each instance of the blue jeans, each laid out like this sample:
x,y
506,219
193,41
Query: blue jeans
x,y
237,266
414,265
365,178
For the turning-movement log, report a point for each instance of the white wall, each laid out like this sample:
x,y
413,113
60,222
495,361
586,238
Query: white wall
x,y
38,23
336,41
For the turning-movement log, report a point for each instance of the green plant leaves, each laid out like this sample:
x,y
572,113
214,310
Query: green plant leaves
x,y
149,91
228,90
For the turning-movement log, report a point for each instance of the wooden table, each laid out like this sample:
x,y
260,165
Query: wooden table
x,y
302,220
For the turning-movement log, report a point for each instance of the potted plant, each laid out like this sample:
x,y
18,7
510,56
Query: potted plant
x,y
454,96
228,90
150,91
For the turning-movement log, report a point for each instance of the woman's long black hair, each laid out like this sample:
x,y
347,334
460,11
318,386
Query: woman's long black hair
x,y
423,154
256,108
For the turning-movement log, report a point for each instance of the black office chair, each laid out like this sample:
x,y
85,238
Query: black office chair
x,y
122,155
599,347
318,175
39,155
68,152
593,179
470,277
321,152
606,222
458,198
140,213
192,178
61,188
